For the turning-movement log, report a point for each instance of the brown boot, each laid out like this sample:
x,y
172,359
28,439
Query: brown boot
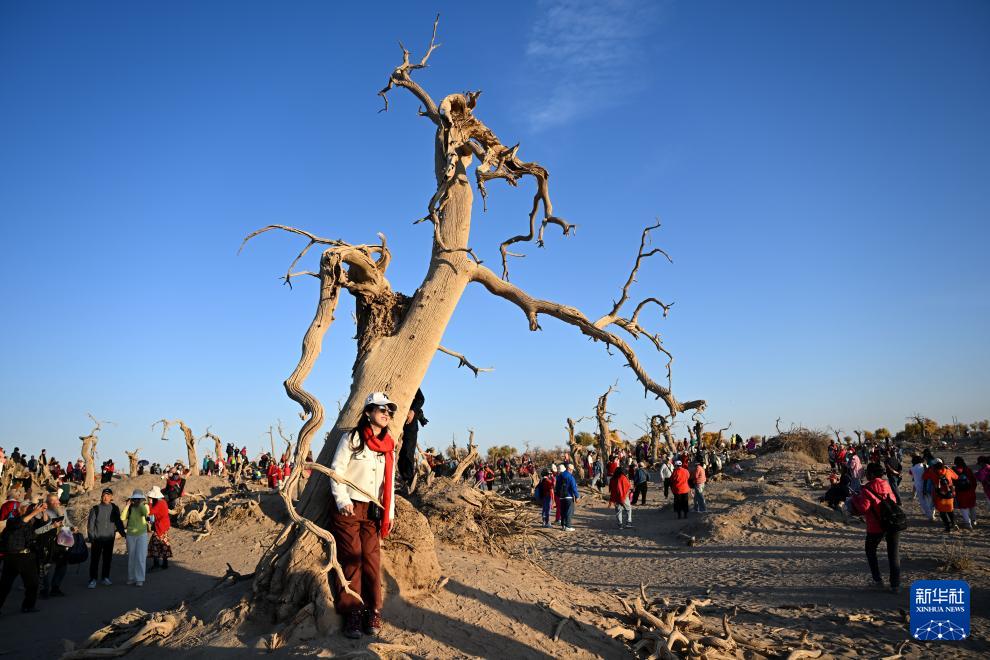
x,y
352,625
372,622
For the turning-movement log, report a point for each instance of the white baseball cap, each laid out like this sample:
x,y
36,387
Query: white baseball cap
x,y
379,399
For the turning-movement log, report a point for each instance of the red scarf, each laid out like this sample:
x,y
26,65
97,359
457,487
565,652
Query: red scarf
x,y
385,446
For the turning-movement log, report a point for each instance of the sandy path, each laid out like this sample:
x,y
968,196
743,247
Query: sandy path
x,y
779,570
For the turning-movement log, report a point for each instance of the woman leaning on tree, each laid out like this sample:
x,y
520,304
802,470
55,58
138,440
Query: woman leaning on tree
x,y
366,458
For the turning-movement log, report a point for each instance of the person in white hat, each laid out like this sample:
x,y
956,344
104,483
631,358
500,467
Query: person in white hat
x,y
135,515
159,549
366,458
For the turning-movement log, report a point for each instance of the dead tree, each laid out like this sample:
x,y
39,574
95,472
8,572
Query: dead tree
x,y
187,435
699,426
217,446
132,460
604,417
660,430
288,441
718,440
468,460
89,451
574,447
398,335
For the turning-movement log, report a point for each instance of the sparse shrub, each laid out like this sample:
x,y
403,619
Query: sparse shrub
x,y
800,440
955,558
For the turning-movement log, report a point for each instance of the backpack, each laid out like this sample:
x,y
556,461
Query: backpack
x,y
963,482
78,553
944,489
891,515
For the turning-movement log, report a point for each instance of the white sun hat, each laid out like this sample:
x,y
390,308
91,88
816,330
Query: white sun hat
x,y
156,493
379,399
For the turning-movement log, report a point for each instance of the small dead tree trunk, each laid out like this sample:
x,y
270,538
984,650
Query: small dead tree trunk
x,y
398,335
699,426
132,460
187,435
217,444
603,417
89,451
575,448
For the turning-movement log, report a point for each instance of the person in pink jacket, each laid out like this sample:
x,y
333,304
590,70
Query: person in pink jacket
x,y
874,491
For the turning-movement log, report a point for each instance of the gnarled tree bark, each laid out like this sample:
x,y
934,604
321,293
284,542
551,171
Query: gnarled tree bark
x,y
398,335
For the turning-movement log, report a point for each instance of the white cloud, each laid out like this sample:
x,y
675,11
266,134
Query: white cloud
x,y
587,56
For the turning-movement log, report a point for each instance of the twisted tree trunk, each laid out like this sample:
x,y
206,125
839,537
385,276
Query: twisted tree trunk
x,y
398,335
132,459
604,433
575,448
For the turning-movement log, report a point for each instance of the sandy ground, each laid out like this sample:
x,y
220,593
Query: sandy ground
x,y
779,564
782,562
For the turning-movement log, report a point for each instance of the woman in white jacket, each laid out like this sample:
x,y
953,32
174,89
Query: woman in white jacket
x,y
366,458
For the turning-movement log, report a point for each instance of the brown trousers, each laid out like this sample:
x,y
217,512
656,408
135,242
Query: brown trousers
x,y
359,552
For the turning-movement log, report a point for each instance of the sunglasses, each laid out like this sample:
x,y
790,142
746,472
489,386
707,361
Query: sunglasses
x,y
384,409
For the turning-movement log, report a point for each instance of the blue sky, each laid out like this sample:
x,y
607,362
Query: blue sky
x,y
820,169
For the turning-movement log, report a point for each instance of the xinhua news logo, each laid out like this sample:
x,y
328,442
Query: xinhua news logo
x,y
940,610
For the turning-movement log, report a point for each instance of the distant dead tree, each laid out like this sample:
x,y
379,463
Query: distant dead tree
x,y
187,436
604,418
89,450
217,446
398,334
132,460
574,447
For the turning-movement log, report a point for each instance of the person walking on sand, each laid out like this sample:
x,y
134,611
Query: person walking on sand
x,y
366,458
619,492
679,487
640,478
965,492
159,549
545,491
666,469
944,494
102,527
135,515
697,482
567,496
867,503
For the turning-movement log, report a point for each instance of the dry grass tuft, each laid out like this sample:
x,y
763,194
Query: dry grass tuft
x,y
955,558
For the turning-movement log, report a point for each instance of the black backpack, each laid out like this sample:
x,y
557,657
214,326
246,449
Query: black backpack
x,y
963,483
891,515
78,553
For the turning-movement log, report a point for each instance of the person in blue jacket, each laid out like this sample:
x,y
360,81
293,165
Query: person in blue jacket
x,y
567,496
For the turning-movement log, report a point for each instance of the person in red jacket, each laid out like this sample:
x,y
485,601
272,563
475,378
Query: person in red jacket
x,y
679,486
159,549
866,503
274,475
620,495
965,491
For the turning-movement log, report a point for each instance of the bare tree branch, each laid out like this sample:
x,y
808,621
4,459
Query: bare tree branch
x,y
463,361
401,77
533,307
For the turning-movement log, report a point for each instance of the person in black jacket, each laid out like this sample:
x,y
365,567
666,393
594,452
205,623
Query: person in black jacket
x,y
102,526
18,559
410,436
